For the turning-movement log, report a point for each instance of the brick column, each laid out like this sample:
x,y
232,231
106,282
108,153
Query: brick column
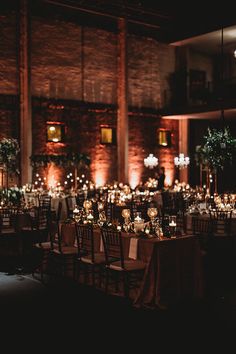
x,y
25,95
183,147
122,114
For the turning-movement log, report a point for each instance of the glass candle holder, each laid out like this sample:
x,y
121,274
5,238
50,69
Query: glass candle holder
x,y
125,213
87,204
90,217
172,225
76,214
100,206
139,224
152,213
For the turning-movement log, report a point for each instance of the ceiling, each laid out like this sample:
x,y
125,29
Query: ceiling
x,y
210,43
170,21
228,114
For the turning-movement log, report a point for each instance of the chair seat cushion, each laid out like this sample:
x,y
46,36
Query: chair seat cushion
x,y
66,250
129,265
46,245
99,258
9,230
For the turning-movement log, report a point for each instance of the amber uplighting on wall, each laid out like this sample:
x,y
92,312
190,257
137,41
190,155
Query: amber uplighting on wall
x,y
107,135
55,132
164,137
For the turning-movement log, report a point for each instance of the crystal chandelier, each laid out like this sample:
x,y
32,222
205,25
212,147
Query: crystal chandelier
x,y
151,161
181,161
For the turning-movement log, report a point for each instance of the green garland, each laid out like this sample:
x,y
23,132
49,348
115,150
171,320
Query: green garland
x,y
219,149
68,160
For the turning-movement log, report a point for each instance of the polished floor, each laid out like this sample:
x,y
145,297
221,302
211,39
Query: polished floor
x,y
63,311
63,307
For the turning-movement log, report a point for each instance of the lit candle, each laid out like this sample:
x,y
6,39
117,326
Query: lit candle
x,y
100,206
90,217
138,224
172,223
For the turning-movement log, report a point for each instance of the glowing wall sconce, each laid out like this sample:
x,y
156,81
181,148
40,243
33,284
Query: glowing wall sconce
x,y
164,137
55,132
107,135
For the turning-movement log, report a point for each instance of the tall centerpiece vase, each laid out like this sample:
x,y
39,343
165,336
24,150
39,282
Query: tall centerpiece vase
x,y
212,181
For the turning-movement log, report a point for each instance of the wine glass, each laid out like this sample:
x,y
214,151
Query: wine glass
x,y
126,215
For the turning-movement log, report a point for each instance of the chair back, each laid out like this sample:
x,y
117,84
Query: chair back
x,y
45,202
70,204
66,235
85,239
7,218
54,226
221,222
113,246
201,226
140,207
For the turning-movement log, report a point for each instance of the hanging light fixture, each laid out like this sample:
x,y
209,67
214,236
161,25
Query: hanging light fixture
x,y
151,161
181,161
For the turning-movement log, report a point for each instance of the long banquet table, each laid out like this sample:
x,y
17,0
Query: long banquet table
x,y
173,268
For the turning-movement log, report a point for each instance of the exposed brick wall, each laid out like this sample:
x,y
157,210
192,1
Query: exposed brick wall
x,y
143,72
82,135
55,59
8,54
9,116
64,61
71,66
100,66
143,140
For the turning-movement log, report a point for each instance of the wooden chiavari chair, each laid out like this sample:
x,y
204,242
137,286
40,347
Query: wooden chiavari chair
x,y
126,271
88,261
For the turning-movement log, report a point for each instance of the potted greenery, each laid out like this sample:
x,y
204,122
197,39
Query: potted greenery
x,y
9,150
219,150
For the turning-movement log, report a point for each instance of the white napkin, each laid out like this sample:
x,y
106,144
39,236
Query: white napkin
x,y
133,248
